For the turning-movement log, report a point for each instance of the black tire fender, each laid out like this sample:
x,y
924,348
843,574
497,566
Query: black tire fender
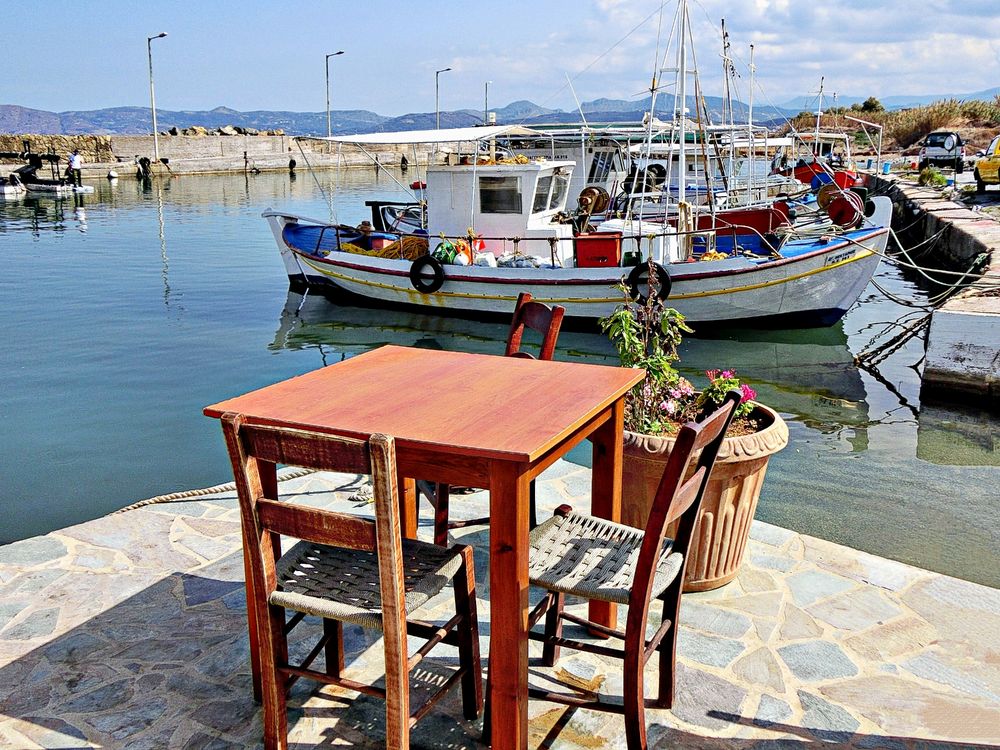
x,y
419,278
640,273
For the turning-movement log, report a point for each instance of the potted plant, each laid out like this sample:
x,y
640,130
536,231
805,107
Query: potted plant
x,y
647,334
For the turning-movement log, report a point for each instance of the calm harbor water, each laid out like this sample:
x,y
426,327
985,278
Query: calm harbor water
x,y
128,310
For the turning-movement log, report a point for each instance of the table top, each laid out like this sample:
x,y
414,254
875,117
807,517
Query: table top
x,y
467,404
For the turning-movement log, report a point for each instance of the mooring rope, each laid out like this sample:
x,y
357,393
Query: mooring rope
x,y
175,497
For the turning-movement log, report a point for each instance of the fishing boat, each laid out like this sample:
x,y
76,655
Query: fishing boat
x,y
490,229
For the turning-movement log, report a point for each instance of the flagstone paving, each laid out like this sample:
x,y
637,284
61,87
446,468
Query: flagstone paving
x,y
129,632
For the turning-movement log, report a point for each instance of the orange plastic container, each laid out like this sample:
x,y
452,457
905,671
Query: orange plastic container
x,y
598,250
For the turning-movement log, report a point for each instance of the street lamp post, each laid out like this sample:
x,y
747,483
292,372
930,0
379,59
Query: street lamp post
x,y
332,54
437,98
486,104
152,96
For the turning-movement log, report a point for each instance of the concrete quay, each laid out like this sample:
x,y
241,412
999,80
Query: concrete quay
x,y
963,341
129,631
210,154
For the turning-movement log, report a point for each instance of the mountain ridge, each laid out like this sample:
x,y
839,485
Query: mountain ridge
x,y
135,120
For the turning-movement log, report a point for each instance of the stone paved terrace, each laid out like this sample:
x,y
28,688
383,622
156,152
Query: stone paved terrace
x,y
129,632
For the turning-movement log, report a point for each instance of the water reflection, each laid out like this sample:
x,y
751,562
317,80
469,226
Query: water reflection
x,y
808,375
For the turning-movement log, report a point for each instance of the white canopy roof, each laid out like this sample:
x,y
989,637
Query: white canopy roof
x,y
444,135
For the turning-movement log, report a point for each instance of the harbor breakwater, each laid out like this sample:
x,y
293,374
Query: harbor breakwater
x,y
205,154
963,339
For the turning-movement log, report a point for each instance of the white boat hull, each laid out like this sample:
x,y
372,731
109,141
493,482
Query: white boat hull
x,y
816,287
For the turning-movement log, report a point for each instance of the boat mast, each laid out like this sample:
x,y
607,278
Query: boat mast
x,y
682,97
751,162
819,114
727,72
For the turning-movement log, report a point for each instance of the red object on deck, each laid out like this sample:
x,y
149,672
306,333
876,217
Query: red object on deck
x,y
598,250
845,179
418,185
847,210
747,220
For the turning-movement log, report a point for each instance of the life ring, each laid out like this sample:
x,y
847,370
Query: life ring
x,y
639,274
418,278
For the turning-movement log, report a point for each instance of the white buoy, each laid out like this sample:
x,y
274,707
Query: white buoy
x,y
112,174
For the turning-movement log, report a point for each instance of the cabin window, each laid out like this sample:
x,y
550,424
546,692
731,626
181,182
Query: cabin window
x,y
600,167
500,195
541,201
559,190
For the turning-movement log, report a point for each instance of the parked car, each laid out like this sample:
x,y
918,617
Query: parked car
x,y
943,149
988,167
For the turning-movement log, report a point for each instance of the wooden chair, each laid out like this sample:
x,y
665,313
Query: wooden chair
x,y
345,569
527,314
583,556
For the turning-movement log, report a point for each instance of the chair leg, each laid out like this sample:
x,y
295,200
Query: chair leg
x,y
633,693
668,654
443,495
273,684
397,688
334,651
468,637
487,717
553,628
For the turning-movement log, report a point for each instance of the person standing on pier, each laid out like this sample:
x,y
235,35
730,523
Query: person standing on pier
x,y
75,165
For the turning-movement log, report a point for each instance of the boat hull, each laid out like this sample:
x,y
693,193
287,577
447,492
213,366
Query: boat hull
x,y
814,286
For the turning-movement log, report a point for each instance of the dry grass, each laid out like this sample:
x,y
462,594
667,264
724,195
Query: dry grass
x,y
976,121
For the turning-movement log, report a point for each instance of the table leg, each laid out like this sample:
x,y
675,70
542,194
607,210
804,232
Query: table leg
x,y
606,490
508,663
408,508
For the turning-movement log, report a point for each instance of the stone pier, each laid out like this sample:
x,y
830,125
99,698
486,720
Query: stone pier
x,y
129,631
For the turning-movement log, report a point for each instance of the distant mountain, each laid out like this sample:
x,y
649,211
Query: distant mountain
x,y
124,120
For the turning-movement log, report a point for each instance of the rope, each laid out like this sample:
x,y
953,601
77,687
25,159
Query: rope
x,y
175,497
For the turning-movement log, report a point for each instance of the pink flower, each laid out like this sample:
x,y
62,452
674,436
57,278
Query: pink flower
x,y
749,394
712,374
727,374
669,406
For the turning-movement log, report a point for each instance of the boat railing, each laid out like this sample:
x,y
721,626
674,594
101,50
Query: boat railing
x,y
516,244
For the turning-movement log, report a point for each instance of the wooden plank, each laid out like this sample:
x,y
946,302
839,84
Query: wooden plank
x,y
509,606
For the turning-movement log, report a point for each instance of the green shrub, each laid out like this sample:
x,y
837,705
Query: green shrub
x,y
931,177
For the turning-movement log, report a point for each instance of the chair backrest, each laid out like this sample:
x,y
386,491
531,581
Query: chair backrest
x,y
253,448
680,498
538,317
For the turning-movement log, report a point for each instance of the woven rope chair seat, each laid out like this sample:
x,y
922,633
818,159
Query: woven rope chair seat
x,y
343,584
585,556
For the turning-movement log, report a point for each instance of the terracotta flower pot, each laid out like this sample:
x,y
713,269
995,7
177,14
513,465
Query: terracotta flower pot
x,y
723,526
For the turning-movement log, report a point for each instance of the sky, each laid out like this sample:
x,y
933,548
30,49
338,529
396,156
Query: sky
x,y
251,55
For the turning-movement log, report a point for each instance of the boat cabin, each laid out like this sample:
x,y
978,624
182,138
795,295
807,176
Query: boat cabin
x,y
498,201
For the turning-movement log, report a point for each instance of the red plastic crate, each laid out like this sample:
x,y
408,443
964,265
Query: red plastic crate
x,y
598,250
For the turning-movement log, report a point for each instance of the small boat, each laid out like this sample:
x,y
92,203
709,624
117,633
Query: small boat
x,y
11,187
54,185
489,229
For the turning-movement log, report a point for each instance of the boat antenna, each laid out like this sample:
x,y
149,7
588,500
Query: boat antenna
x,y
569,82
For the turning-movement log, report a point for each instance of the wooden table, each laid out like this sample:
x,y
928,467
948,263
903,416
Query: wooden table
x,y
477,420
